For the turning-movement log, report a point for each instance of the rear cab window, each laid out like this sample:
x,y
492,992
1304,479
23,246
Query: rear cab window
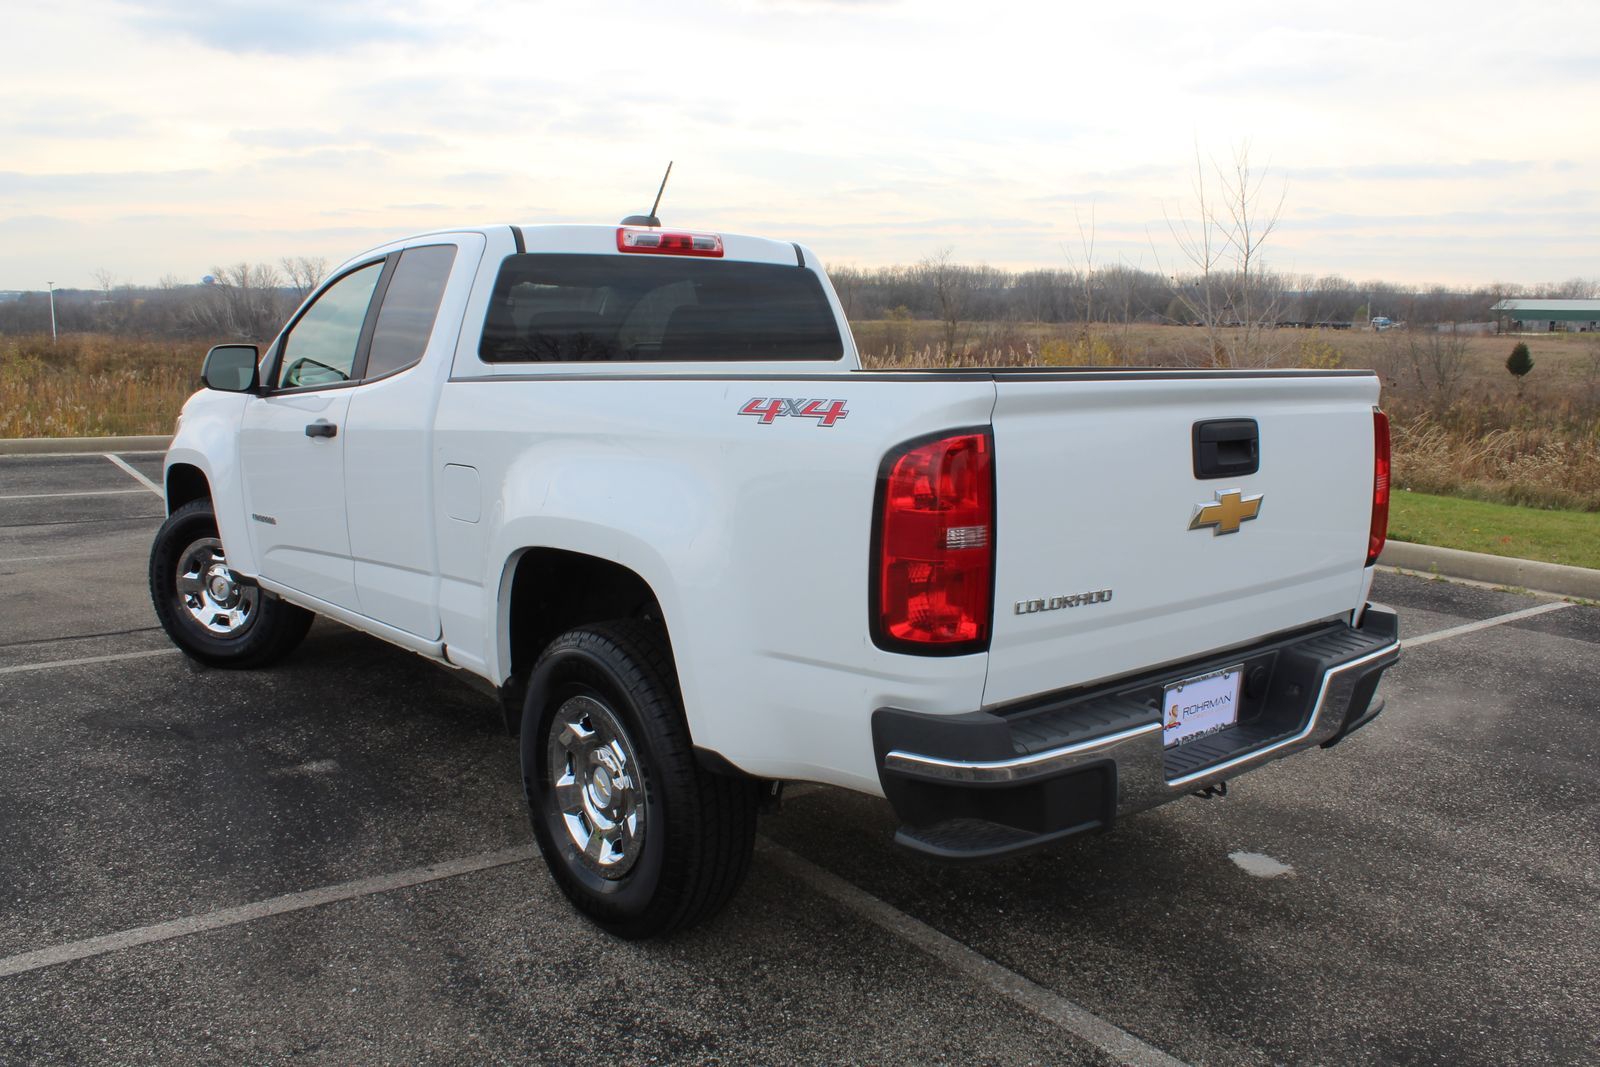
x,y
583,308
410,306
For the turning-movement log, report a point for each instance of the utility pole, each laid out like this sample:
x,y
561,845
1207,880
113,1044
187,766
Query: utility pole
x,y
52,287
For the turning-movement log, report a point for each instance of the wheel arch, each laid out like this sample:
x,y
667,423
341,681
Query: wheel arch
x,y
552,590
185,483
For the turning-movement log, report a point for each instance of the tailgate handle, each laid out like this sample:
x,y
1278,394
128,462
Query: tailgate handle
x,y
1226,448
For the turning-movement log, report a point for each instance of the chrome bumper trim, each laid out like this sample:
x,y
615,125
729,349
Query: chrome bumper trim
x,y
1315,730
1138,752
1016,769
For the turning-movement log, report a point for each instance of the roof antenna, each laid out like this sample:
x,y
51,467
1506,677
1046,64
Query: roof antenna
x,y
650,219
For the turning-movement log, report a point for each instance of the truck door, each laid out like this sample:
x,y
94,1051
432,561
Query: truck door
x,y
292,444
388,457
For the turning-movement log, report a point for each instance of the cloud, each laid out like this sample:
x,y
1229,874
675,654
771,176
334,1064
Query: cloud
x,y
1474,170
342,160
295,27
295,138
1287,59
1464,225
37,226
119,184
59,118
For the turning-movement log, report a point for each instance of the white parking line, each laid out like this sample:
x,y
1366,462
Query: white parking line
x,y
1074,1018
22,667
1077,1020
216,920
141,479
58,496
1483,624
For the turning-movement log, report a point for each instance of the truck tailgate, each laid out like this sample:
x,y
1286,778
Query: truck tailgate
x,y
1098,571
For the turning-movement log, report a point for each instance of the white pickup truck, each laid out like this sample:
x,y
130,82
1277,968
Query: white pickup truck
x,y
636,480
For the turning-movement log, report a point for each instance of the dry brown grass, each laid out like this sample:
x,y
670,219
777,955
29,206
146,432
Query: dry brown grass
x,y
1539,466
89,385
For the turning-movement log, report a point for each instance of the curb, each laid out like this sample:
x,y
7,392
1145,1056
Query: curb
x,y
1554,578
36,446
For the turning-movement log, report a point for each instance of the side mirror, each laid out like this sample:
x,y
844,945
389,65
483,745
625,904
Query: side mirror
x,y
231,368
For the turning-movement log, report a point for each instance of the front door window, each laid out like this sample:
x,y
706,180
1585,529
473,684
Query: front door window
x,y
321,348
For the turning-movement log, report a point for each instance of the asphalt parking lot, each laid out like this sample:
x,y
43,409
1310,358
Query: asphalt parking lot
x,y
328,862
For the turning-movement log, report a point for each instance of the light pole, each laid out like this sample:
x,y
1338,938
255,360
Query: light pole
x,y
52,287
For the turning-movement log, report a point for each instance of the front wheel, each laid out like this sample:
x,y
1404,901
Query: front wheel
x,y
637,834
212,614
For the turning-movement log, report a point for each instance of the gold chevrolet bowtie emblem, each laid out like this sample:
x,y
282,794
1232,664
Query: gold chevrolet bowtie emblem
x,y
1224,515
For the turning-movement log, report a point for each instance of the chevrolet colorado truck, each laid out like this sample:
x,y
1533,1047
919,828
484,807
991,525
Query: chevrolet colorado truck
x,y
636,480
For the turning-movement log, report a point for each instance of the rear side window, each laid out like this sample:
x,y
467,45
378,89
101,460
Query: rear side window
x,y
410,305
583,308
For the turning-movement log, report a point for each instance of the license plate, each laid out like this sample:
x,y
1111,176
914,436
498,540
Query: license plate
x,y
1199,706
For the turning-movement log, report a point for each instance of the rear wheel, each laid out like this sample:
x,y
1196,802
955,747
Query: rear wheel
x,y
211,613
637,834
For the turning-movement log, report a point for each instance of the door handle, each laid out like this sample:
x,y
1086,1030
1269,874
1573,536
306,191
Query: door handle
x,y
1226,448
321,428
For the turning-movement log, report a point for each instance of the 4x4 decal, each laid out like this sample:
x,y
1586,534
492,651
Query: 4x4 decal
x,y
826,412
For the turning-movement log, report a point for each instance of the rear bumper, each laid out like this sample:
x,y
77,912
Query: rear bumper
x,y
991,783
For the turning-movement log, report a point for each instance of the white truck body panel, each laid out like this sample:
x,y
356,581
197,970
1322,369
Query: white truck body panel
x,y
1096,491
761,557
295,493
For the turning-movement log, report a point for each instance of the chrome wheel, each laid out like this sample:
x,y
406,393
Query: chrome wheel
x,y
212,595
598,792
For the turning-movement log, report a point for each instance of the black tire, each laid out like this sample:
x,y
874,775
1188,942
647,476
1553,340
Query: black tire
x,y
698,827
248,627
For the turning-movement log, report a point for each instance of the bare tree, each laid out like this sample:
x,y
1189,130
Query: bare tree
x,y
1589,373
304,273
1038,294
1086,244
1573,289
1437,361
245,302
952,289
104,281
1232,294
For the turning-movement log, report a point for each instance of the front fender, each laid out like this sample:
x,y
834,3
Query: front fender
x,y
208,440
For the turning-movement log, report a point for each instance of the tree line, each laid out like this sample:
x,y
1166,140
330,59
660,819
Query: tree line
x,y
250,301
242,302
935,288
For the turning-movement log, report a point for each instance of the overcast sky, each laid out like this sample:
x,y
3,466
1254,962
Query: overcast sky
x,y
1415,142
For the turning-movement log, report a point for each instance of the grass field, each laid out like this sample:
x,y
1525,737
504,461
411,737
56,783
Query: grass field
x,y
1570,537
90,385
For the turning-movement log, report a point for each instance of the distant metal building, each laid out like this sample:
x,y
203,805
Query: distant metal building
x,y
1546,316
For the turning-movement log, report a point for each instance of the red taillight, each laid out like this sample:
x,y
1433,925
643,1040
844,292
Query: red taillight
x,y
669,244
1380,486
935,547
